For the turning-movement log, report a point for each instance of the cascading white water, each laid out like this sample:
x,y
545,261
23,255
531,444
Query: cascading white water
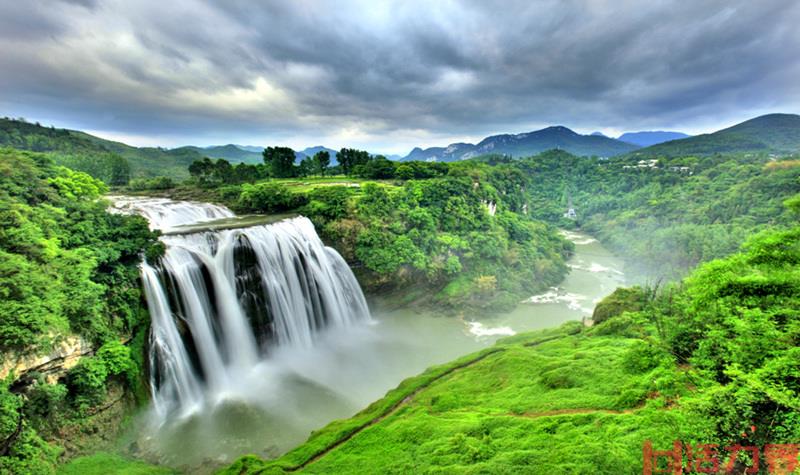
x,y
220,301
165,214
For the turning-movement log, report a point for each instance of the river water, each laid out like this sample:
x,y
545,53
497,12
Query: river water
x,y
298,389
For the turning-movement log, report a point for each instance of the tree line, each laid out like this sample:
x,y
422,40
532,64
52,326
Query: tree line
x,y
281,162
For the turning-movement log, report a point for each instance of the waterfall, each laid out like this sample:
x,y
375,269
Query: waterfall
x,y
165,214
220,301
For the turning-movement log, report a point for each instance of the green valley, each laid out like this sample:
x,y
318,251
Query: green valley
x,y
577,400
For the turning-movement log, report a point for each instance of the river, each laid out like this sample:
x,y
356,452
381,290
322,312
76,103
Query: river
x,y
299,388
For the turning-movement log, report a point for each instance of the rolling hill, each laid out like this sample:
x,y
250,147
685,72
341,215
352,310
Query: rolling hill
x,y
232,153
778,133
68,147
526,144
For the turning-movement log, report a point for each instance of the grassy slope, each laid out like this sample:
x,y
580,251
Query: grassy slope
x,y
103,463
773,132
544,402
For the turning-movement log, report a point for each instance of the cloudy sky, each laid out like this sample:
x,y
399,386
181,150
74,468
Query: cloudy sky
x,y
388,76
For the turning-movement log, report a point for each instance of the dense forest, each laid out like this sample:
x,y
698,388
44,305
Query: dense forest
x,y
665,216
69,271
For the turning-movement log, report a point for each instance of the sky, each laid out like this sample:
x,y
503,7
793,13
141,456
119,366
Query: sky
x,y
391,75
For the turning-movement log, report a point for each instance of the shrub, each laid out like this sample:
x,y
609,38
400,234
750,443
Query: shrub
x,y
621,300
87,382
269,198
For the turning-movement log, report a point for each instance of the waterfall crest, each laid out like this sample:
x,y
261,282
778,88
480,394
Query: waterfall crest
x,y
220,301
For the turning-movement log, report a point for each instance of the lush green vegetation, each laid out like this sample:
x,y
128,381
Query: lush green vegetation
x,y
779,133
103,463
711,361
456,237
666,218
705,360
112,162
68,269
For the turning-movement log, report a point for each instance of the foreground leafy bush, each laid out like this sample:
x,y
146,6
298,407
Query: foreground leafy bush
x,y
67,269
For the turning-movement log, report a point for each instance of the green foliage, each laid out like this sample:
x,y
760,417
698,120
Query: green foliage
x,y
156,183
102,463
793,203
329,202
545,402
321,162
439,233
67,268
210,173
376,168
664,220
77,185
112,162
772,132
268,198
280,161
22,451
67,264
350,158
87,382
630,299
714,361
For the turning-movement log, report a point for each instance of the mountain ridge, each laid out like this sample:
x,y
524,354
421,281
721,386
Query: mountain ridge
x,y
776,133
527,143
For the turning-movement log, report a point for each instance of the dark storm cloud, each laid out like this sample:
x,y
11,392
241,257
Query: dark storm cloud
x,y
384,72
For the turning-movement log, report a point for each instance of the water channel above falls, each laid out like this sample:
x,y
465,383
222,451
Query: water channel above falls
x,y
296,384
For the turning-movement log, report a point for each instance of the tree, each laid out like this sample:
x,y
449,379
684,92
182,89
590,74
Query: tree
x,y
120,173
280,160
350,158
306,167
321,161
378,167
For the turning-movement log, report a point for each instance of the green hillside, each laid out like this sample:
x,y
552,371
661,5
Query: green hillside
x,y
778,133
674,367
229,152
113,162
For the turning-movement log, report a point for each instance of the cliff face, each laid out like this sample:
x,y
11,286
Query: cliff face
x,y
53,365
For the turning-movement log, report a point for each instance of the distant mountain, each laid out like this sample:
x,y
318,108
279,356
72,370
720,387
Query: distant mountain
x,y
311,151
68,146
598,134
648,138
522,145
230,152
768,133
251,148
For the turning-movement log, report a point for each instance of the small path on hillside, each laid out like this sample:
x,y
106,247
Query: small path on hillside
x,y
560,412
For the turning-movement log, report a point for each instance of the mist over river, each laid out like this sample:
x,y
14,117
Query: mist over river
x,y
338,367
